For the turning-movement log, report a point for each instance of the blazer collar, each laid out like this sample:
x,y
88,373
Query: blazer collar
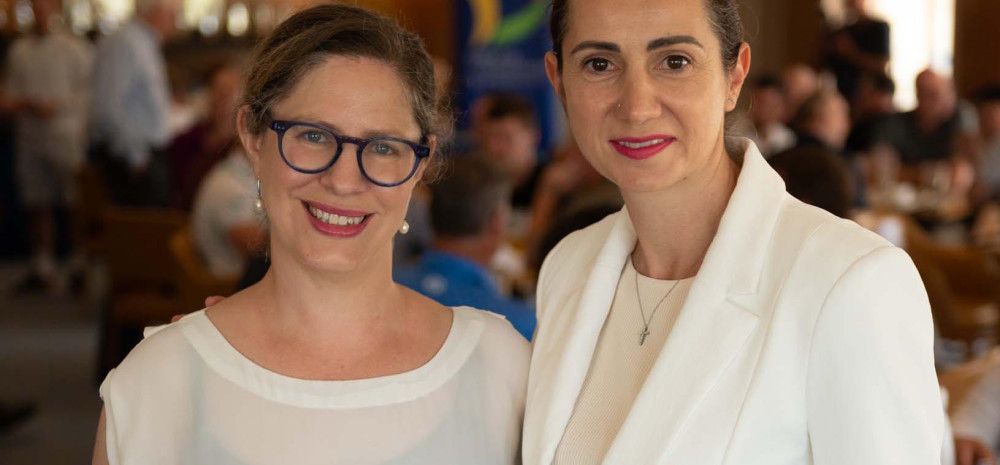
x,y
737,255
735,259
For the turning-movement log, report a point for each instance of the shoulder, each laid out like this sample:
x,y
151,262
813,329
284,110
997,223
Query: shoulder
x,y
815,256
578,249
816,235
858,278
497,332
156,363
499,343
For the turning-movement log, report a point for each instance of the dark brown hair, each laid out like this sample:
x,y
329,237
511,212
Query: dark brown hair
x,y
816,176
508,105
466,197
310,36
724,16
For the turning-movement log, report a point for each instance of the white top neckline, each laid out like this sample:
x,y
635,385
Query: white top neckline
x,y
229,363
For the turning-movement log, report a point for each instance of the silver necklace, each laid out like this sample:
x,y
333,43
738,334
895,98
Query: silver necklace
x,y
645,323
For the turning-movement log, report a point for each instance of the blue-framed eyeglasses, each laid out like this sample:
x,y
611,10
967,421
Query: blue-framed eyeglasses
x,y
312,148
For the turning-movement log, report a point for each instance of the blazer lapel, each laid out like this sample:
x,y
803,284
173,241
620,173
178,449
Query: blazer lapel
x,y
565,376
713,329
708,336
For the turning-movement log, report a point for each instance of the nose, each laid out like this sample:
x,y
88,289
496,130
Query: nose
x,y
344,177
638,102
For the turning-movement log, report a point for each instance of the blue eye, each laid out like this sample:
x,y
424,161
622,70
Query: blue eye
x,y
315,137
382,148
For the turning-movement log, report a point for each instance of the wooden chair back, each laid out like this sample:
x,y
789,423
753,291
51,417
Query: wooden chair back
x,y
196,281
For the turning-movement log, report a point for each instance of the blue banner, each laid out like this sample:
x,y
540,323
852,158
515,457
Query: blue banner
x,y
501,47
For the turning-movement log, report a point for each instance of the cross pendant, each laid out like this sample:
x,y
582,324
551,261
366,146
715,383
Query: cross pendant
x,y
642,336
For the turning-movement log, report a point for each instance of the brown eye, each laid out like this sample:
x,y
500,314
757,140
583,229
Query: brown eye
x,y
598,65
676,62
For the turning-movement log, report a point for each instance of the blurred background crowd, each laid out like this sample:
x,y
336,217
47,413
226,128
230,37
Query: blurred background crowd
x,y
126,198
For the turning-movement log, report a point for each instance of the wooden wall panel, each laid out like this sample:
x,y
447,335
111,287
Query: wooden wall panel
x,y
433,20
782,32
977,43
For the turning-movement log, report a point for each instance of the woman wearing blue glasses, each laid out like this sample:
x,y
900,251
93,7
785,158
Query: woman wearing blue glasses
x,y
326,360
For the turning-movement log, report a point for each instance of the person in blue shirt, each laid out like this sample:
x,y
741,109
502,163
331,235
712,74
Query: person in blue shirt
x,y
468,208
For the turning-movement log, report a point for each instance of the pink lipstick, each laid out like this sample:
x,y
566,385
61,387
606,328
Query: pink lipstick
x,y
337,222
641,148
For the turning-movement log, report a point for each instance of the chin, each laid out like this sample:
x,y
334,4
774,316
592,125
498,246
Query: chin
x,y
332,262
647,180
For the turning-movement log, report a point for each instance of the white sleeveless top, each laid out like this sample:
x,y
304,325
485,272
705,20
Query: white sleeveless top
x,y
186,396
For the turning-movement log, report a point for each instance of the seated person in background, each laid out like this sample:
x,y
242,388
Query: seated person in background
x,y
468,213
823,120
226,223
509,135
976,422
931,131
871,107
799,82
767,113
817,176
985,145
193,153
568,184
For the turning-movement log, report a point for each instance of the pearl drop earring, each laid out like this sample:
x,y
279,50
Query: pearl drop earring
x,y
405,228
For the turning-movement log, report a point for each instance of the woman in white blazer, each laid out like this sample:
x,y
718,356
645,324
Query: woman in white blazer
x,y
769,332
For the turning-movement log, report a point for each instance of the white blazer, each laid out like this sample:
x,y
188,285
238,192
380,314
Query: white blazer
x,y
805,339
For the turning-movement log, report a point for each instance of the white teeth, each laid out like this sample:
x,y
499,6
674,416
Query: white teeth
x,y
330,218
640,145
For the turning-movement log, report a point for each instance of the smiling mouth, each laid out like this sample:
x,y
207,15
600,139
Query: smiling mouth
x,y
641,145
334,219
642,148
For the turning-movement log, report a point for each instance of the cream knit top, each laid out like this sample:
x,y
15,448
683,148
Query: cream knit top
x,y
620,365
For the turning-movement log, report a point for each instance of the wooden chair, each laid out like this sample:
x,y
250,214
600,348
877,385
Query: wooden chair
x,y
93,201
142,275
195,282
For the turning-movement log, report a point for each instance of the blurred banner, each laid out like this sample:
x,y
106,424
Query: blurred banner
x,y
501,47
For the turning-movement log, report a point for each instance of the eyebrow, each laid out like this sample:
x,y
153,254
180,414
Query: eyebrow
x,y
672,40
651,46
593,44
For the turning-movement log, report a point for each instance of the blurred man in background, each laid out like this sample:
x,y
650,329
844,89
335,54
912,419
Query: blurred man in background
x,y
860,46
871,108
469,209
823,120
131,106
47,82
228,228
509,135
931,132
767,113
799,82
193,153
985,145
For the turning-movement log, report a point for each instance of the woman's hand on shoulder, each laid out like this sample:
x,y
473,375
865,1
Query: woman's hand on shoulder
x,y
209,301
